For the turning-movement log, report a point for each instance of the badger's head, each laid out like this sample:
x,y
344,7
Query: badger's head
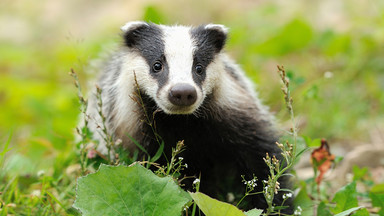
x,y
176,66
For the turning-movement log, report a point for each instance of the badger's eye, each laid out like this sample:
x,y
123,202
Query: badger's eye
x,y
199,69
157,67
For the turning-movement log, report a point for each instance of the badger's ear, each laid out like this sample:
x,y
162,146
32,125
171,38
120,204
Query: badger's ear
x,y
212,35
132,32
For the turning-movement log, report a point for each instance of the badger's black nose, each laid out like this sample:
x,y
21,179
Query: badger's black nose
x,y
182,95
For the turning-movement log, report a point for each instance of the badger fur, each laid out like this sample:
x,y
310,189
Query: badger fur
x,y
195,93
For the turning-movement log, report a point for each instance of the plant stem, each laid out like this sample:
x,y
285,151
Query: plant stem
x,y
288,150
80,131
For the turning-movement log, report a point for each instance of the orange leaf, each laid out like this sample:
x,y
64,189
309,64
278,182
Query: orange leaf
x,y
322,159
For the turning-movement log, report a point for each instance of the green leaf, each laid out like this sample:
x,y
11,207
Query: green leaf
x,y
254,212
358,174
213,207
349,211
133,190
292,37
337,44
303,200
153,14
323,210
312,142
377,196
345,198
362,212
379,188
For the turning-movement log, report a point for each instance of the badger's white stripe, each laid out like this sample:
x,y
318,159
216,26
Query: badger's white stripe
x,y
179,54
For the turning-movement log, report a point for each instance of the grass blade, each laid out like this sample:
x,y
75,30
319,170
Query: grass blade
x,y
5,150
138,144
158,153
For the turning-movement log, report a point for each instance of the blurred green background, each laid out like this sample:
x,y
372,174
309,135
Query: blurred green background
x,y
333,52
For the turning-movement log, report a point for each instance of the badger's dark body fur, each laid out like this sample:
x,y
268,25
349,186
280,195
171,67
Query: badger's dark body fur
x,y
221,148
225,128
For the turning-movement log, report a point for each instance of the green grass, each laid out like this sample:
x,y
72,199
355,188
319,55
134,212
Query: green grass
x,y
39,106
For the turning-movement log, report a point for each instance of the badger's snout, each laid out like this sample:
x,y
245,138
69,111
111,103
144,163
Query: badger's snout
x,y
182,95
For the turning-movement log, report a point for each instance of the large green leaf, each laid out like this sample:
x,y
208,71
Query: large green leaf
x,y
213,207
254,212
133,190
345,198
322,209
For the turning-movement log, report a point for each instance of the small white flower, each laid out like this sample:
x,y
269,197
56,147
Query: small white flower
x,y
328,74
36,193
196,181
287,195
181,158
298,211
118,142
40,173
186,166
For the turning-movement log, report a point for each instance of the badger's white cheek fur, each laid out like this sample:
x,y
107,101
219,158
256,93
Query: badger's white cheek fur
x,y
135,69
213,76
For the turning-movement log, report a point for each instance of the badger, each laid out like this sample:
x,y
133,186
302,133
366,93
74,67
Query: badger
x,y
192,91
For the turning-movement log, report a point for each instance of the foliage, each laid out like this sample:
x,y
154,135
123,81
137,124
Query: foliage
x,y
345,198
133,190
377,196
213,207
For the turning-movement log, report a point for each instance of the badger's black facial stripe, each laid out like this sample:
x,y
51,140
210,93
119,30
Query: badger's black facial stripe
x,y
209,42
147,40
162,75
